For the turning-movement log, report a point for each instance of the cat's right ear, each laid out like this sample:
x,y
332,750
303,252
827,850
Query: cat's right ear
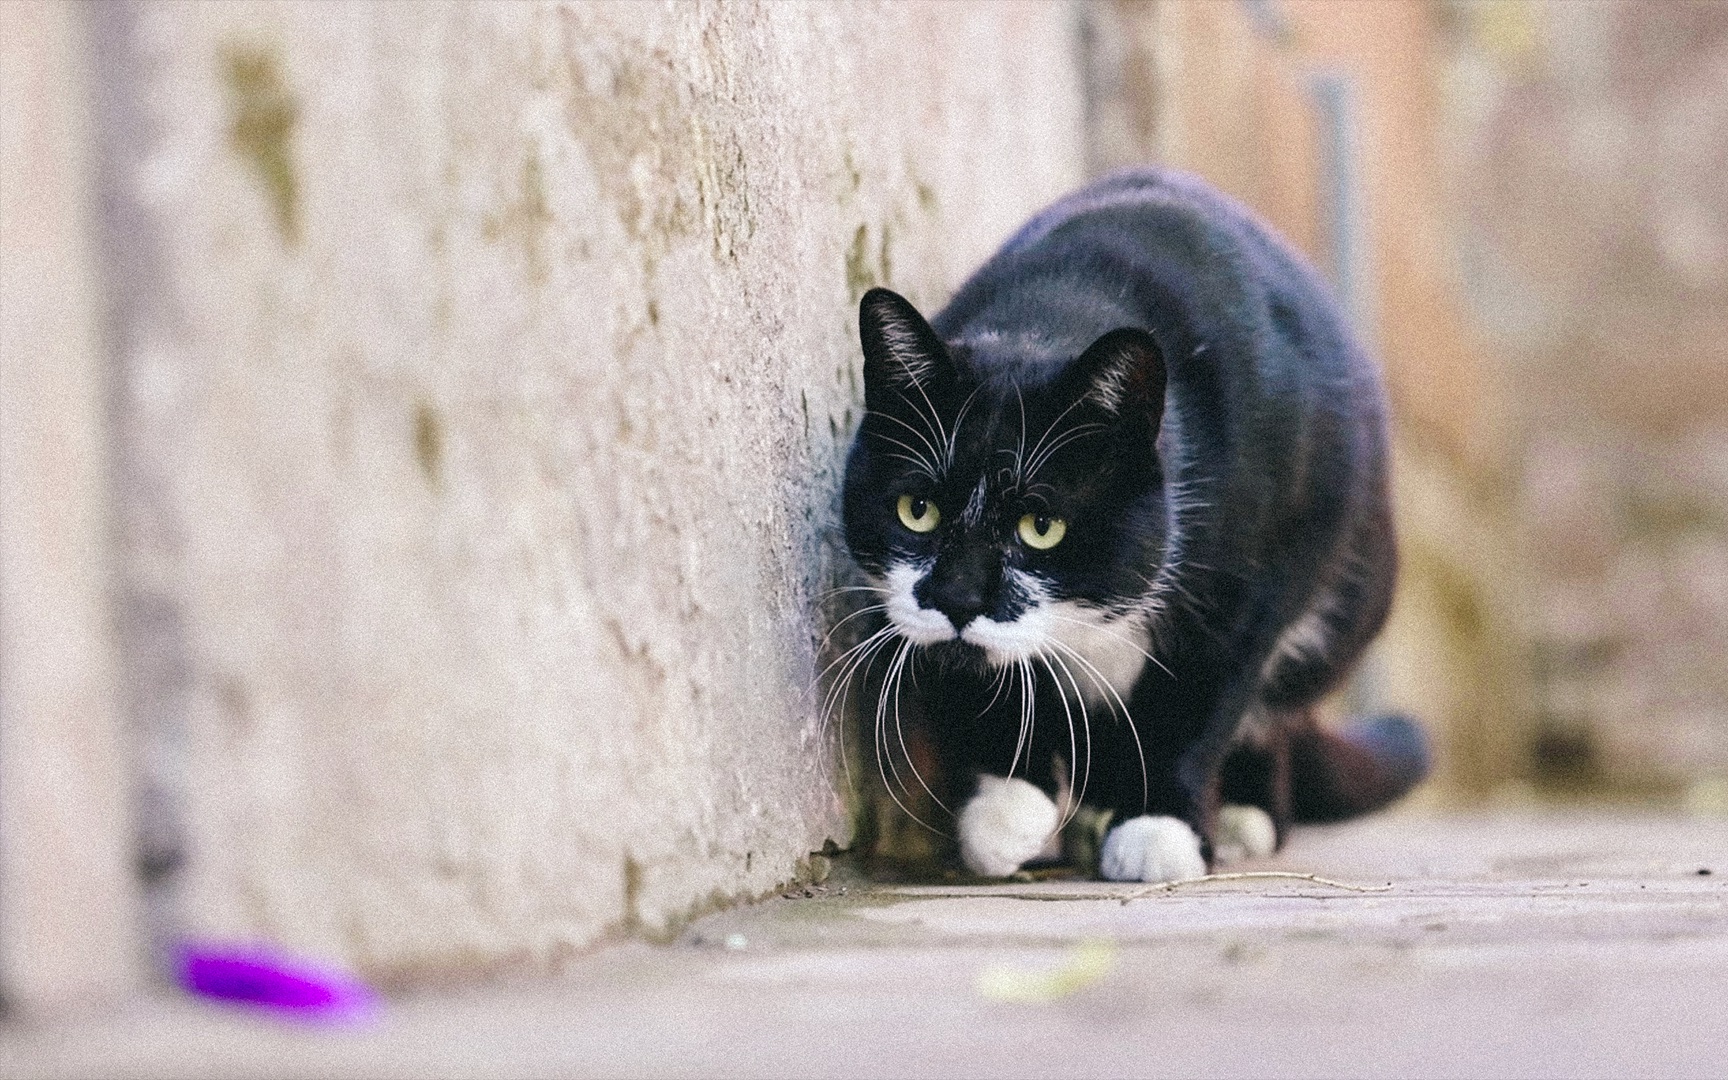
x,y
901,350
1123,374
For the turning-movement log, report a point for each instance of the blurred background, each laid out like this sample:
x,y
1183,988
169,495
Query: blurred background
x,y
422,425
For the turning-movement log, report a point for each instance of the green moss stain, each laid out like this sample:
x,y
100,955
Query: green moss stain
x,y
670,168
525,218
428,443
854,176
860,275
722,191
263,117
632,895
869,264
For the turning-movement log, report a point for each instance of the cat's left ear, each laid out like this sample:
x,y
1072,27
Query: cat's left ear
x,y
1123,374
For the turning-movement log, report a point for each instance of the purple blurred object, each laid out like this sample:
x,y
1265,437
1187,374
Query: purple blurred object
x,y
262,977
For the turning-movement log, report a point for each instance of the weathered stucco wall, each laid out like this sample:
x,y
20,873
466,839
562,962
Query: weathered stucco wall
x,y
487,373
68,913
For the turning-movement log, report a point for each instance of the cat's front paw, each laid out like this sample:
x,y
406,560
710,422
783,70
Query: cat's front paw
x,y
1150,848
1005,824
1244,832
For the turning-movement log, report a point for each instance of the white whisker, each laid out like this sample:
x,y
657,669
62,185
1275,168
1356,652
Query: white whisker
x,y
1107,630
1025,715
912,454
900,735
1086,727
934,455
861,655
891,684
1127,717
1073,744
960,418
934,419
1039,460
832,630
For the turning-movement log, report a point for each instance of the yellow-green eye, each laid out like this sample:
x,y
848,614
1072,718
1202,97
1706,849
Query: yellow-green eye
x,y
1042,531
919,515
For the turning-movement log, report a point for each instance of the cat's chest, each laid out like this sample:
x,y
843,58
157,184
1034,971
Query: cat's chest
x,y
1097,657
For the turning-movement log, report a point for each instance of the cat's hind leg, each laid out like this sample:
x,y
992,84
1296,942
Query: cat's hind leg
x,y
1005,825
1244,831
1255,787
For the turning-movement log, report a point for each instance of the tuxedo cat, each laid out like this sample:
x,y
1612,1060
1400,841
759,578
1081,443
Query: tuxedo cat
x,y
1124,506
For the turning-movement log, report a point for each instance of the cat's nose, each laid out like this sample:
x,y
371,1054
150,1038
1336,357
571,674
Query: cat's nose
x,y
961,601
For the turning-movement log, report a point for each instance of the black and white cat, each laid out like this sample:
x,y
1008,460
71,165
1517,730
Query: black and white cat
x,y
1124,503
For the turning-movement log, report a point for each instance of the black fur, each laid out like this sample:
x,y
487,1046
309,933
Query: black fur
x,y
1219,458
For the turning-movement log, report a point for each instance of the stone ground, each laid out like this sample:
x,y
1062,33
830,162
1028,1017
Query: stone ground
x,y
1567,945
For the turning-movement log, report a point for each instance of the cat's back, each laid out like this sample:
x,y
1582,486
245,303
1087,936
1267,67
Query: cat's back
x,y
1163,251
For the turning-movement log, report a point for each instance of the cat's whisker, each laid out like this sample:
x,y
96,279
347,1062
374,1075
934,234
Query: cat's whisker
x,y
881,635
1031,713
960,418
828,594
1020,740
1086,727
836,694
1073,742
832,630
1127,717
912,455
1037,458
998,684
1080,431
934,419
889,690
933,455
891,685
1106,630
1051,426
862,655
900,735
915,463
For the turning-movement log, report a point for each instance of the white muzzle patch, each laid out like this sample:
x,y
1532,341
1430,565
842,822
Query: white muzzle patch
x,y
1105,654
918,624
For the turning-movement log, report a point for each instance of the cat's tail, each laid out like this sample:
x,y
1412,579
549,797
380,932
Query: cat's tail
x,y
1368,764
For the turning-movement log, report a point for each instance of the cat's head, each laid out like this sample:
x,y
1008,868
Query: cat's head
x,y
997,495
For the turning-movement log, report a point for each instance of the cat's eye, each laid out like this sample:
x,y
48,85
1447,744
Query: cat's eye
x,y
919,515
1041,531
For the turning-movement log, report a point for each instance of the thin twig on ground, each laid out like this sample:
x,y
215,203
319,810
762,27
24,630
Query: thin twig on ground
x,y
1253,875
1160,888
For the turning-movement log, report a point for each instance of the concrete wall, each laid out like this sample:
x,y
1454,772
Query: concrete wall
x,y
487,370
68,916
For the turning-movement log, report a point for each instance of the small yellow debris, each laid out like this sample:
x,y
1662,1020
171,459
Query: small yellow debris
x,y
1708,798
1088,962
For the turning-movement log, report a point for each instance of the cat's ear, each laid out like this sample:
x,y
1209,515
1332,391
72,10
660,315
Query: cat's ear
x,y
1123,374
901,351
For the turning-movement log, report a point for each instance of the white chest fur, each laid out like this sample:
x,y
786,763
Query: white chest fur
x,y
1115,650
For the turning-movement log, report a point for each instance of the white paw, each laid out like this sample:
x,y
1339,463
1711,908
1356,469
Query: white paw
x,y
1004,825
1150,848
1244,832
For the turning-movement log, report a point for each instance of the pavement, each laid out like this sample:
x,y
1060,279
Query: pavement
x,y
1563,944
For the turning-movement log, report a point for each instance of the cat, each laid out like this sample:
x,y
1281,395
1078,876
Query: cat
x,y
1124,507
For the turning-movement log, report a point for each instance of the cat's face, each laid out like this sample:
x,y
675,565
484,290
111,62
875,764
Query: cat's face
x,y
1000,510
